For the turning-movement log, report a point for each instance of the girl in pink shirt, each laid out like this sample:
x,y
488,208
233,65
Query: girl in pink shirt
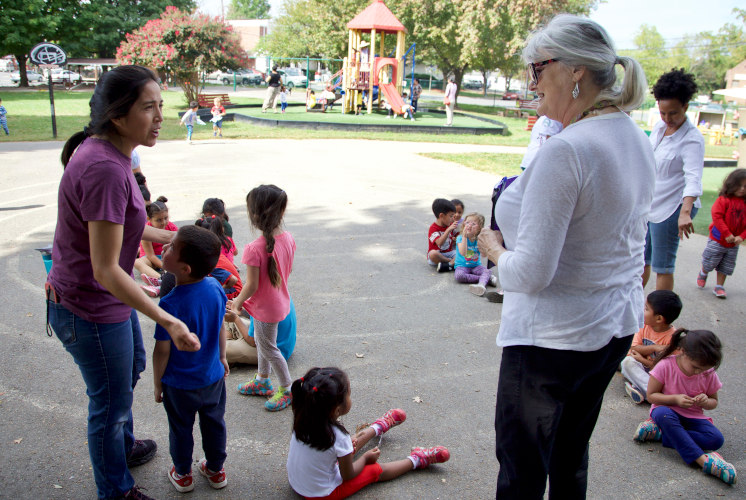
x,y
680,389
269,261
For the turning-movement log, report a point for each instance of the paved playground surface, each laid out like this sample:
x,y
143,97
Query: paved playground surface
x,y
366,302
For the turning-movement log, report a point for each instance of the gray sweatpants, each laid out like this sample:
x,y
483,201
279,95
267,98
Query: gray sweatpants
x,y
635,373
269,355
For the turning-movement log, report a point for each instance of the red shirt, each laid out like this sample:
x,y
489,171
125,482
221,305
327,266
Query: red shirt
x,y
224,263
435,232
158,247
728,218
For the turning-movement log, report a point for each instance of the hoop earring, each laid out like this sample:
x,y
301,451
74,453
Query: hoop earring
x,y
575,91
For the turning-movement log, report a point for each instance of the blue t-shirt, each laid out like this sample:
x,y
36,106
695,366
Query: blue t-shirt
x,y
472,257
201,306
223,276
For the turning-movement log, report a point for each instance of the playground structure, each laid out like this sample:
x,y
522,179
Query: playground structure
x,y
362,70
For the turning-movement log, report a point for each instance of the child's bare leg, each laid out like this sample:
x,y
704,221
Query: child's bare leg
x,y
721,278
363,436
391,470
436,256
701,460
143,267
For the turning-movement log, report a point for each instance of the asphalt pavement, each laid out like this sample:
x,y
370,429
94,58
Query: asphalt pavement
x,y
366,302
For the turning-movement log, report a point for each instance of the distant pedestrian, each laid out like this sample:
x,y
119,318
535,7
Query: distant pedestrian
x,y
416,92
3,119
190,118
450,100
218,112
273,82
284,92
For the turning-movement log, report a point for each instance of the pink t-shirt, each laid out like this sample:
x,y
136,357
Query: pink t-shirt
x,y
228,253
97,185
674,381
158,247
269,304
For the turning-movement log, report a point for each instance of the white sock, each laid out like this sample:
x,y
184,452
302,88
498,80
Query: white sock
x,y
415,461
262,379
377,429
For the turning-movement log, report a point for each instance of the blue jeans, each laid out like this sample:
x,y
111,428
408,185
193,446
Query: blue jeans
x,y
190,129
689,436
111,357
662,243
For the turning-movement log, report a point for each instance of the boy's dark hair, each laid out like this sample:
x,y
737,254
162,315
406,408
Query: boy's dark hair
x,y
315,396
456,201
676,84
442,206
666,303
198,248
701,346
733,182
193,104
116,92
214,224
143,187
266,205
158,206
214,206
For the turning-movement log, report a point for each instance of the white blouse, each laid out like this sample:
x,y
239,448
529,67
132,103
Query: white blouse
x,y
574,225
679,161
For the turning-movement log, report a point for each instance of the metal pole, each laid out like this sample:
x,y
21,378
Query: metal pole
x,y
308,72
234,81
51,105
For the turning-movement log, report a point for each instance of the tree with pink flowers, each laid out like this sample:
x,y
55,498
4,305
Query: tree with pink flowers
x,y
183,45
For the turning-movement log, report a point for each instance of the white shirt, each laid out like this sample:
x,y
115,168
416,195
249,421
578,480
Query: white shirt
x,y
543,129
135,159
679,161
315,473
574,224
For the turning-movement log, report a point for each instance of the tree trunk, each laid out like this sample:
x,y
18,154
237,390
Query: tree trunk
x,y
484,77
507,83
21,58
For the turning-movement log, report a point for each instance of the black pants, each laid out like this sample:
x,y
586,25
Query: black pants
x,y
181,407
548,402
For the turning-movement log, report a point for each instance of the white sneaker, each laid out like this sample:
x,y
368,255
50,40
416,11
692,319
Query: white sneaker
x,y
493,280
477,290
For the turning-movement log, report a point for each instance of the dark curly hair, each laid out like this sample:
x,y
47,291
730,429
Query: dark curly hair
x,y
676,84
733,182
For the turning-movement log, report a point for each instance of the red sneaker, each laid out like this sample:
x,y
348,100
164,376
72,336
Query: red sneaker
x,y
391,419
719,292
429,456
183,483
217,479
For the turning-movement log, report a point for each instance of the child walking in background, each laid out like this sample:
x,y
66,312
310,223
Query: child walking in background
x,y
662,307
149,263
218,112
284,92
469,268
216,206
727,231
321,462
269,261
191,383
4,118
190,118
680,389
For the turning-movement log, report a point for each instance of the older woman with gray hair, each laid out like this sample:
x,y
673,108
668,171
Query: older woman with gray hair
x,y
573,228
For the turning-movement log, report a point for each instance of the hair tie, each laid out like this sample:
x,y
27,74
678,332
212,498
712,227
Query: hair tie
x,y
618,60
315,389
301,380
213,216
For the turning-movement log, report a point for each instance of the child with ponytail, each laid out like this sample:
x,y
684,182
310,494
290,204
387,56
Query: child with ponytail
x,y
321,462
680,388
269,261
149,264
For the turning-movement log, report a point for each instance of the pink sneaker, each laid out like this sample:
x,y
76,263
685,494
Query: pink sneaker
x,y
150,281
390,419
429,456
152,291
217,479
719,292
701,280
184,483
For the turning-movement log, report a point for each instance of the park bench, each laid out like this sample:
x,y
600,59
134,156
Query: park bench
x,y
528,104
208,100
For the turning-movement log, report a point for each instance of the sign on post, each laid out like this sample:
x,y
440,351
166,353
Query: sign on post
x,y
49,55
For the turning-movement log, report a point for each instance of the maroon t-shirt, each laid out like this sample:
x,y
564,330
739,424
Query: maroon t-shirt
x,y
97,185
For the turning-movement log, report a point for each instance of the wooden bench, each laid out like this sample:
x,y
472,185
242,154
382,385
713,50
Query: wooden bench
x,y
528,104
208,100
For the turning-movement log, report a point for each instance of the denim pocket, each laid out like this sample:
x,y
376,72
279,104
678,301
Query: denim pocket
x,y
62,322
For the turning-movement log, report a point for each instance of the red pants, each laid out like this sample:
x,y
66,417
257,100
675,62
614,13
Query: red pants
x,y
369,475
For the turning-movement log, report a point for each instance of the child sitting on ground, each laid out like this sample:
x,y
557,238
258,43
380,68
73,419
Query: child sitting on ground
x,y
321,462
469,268
190,383
216,207
680,389
459,214
149,263
440,237
727,231
662,307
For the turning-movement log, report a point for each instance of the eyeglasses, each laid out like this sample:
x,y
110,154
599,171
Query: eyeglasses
x,y
535,69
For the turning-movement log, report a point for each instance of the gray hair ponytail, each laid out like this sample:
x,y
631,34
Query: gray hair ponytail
x,y
578,41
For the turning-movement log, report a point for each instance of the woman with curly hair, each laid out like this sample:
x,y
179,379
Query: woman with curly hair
x,y
679,159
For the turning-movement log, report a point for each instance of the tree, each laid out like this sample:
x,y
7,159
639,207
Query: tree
x,y
24,23
650,52
249,9
183,45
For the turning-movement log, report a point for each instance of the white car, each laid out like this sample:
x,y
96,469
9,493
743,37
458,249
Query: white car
x,y
65,75
32,76
292,77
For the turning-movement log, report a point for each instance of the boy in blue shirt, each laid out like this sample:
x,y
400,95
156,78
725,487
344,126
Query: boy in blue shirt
x,y
3,118
193,382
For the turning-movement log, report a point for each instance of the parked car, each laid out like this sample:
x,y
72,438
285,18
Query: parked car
x,y
243,77
509,96
472,84
292,77
65,75
32,76
257,77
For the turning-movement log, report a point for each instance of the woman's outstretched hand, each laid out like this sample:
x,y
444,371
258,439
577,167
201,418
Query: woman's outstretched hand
x,y
183,339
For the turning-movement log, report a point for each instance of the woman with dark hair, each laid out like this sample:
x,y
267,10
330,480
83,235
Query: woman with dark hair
x,y
90,290
679,157
573,225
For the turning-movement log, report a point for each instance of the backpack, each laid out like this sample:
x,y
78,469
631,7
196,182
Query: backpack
x,y
499,188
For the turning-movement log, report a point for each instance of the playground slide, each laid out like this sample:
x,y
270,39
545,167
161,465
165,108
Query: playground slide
x,y
392,97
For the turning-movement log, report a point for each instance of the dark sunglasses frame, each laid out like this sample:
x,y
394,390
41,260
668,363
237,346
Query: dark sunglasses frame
x,y
533,66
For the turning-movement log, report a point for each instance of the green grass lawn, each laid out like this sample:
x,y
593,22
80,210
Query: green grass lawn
x,y
501,165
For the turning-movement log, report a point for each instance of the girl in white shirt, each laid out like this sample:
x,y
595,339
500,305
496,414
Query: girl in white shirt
x,y
320,461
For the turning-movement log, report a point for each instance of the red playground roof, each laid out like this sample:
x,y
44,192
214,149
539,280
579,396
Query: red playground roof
x,y
376,16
